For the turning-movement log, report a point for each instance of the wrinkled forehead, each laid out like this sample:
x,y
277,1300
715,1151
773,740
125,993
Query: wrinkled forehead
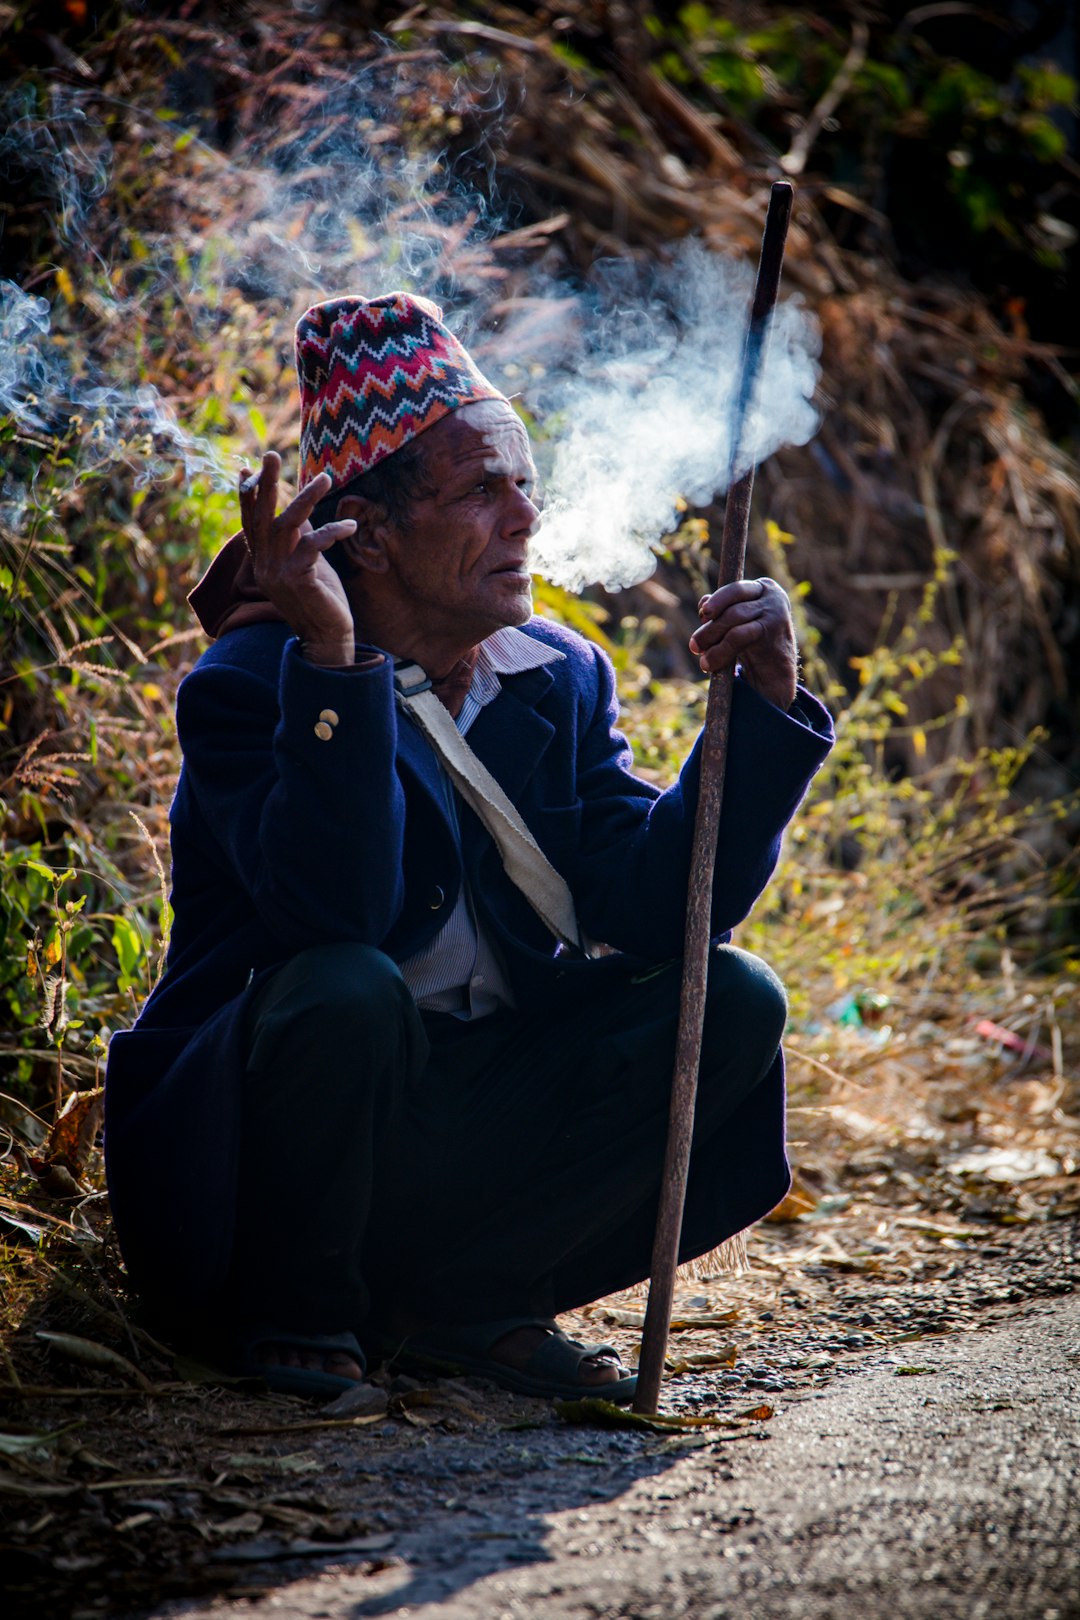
x,y
493,433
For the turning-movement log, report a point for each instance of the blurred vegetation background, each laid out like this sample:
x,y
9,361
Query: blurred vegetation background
x,y
181,181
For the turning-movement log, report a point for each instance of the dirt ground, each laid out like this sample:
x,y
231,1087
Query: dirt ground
x,y
946,1492
123,1500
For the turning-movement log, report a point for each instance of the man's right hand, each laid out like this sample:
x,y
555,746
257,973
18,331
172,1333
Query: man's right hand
x,y
289,565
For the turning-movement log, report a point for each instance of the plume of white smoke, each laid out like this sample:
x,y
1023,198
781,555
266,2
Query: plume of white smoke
x,y
331,208
132,425
639,407
58,149
649,415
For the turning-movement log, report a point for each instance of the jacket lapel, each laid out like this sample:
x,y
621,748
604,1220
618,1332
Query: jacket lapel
x,y
509,735
414,753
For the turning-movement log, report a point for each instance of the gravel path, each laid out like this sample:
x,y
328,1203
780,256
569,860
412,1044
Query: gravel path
x,y
932,1484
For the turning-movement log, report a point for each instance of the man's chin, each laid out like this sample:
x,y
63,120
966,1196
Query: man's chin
x,y
516,608
505,608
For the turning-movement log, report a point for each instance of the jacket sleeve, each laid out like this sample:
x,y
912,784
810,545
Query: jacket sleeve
x,y
635,848
296,784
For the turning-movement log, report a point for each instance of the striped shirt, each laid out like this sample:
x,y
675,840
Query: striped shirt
x,y
459,971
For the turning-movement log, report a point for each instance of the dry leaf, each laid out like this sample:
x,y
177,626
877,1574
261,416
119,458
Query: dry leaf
x,y
695,1360
617,1316
1005,1164
297,1462
74,1132
92,1354
245,1524
598,1414
22,1445
799,1201
681,1322
710,1319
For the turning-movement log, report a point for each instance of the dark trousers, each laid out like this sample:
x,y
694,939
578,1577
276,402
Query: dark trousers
x,y
395,1164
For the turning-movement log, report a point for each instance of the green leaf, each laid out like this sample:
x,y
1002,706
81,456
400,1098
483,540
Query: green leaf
x,y
41,869
1043,137
127,943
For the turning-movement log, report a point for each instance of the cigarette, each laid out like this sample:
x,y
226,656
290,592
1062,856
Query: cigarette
x,y
249,485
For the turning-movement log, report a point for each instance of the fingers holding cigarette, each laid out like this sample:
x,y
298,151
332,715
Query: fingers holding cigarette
x,y
270,534
264,482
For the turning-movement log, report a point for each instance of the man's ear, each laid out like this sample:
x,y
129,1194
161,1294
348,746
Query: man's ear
x,y
366,547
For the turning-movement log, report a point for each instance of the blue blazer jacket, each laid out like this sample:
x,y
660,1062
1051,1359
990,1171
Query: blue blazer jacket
x,y
282,839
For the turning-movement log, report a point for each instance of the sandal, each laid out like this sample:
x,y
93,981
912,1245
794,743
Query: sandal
x,y
551,1372
314,1382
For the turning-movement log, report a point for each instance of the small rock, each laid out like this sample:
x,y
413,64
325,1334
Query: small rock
x,y
366,1400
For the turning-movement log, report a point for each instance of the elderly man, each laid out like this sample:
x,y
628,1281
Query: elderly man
x,y
386,1099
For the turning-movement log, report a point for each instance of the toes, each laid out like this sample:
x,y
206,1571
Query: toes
x,y
338,1362
601,1370
343,1365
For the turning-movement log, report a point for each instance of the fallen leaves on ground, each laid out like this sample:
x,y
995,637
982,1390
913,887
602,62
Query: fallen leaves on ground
x,y
592,1412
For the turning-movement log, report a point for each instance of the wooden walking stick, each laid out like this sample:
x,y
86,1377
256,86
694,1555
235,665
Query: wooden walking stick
x,y
665,1255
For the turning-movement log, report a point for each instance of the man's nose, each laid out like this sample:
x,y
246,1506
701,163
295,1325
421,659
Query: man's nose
x,y
525,515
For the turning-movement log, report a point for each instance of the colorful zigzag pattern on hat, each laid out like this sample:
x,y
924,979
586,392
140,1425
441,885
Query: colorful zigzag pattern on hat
x,y
374,373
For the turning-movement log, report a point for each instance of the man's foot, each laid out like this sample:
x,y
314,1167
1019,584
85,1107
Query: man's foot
x,y
530,1355
339,1363
319,1365
516,1349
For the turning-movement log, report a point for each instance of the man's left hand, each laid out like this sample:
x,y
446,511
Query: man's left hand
x,y
750,623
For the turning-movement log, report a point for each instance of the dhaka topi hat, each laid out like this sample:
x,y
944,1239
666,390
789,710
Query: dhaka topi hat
x,y
374,373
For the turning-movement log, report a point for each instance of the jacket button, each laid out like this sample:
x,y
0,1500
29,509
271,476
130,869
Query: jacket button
x,y
437,898
330,716
323,731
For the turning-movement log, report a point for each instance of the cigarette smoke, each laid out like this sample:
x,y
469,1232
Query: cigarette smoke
x,y
649,417
631,380
133,424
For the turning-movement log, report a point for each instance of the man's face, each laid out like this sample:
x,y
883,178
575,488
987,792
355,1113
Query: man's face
x,y
462,562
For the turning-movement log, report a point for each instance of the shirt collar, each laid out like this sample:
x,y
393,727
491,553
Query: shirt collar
x,y
510,651
506,652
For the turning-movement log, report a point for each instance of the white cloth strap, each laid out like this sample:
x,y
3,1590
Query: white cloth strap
x,y
524,861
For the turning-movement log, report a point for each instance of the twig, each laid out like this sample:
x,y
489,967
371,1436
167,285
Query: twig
x,y
528,234
7,1097
794,159
718,150
816,1063
164,888
80,1064
45,1392
361,1422
38,1214
489,36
